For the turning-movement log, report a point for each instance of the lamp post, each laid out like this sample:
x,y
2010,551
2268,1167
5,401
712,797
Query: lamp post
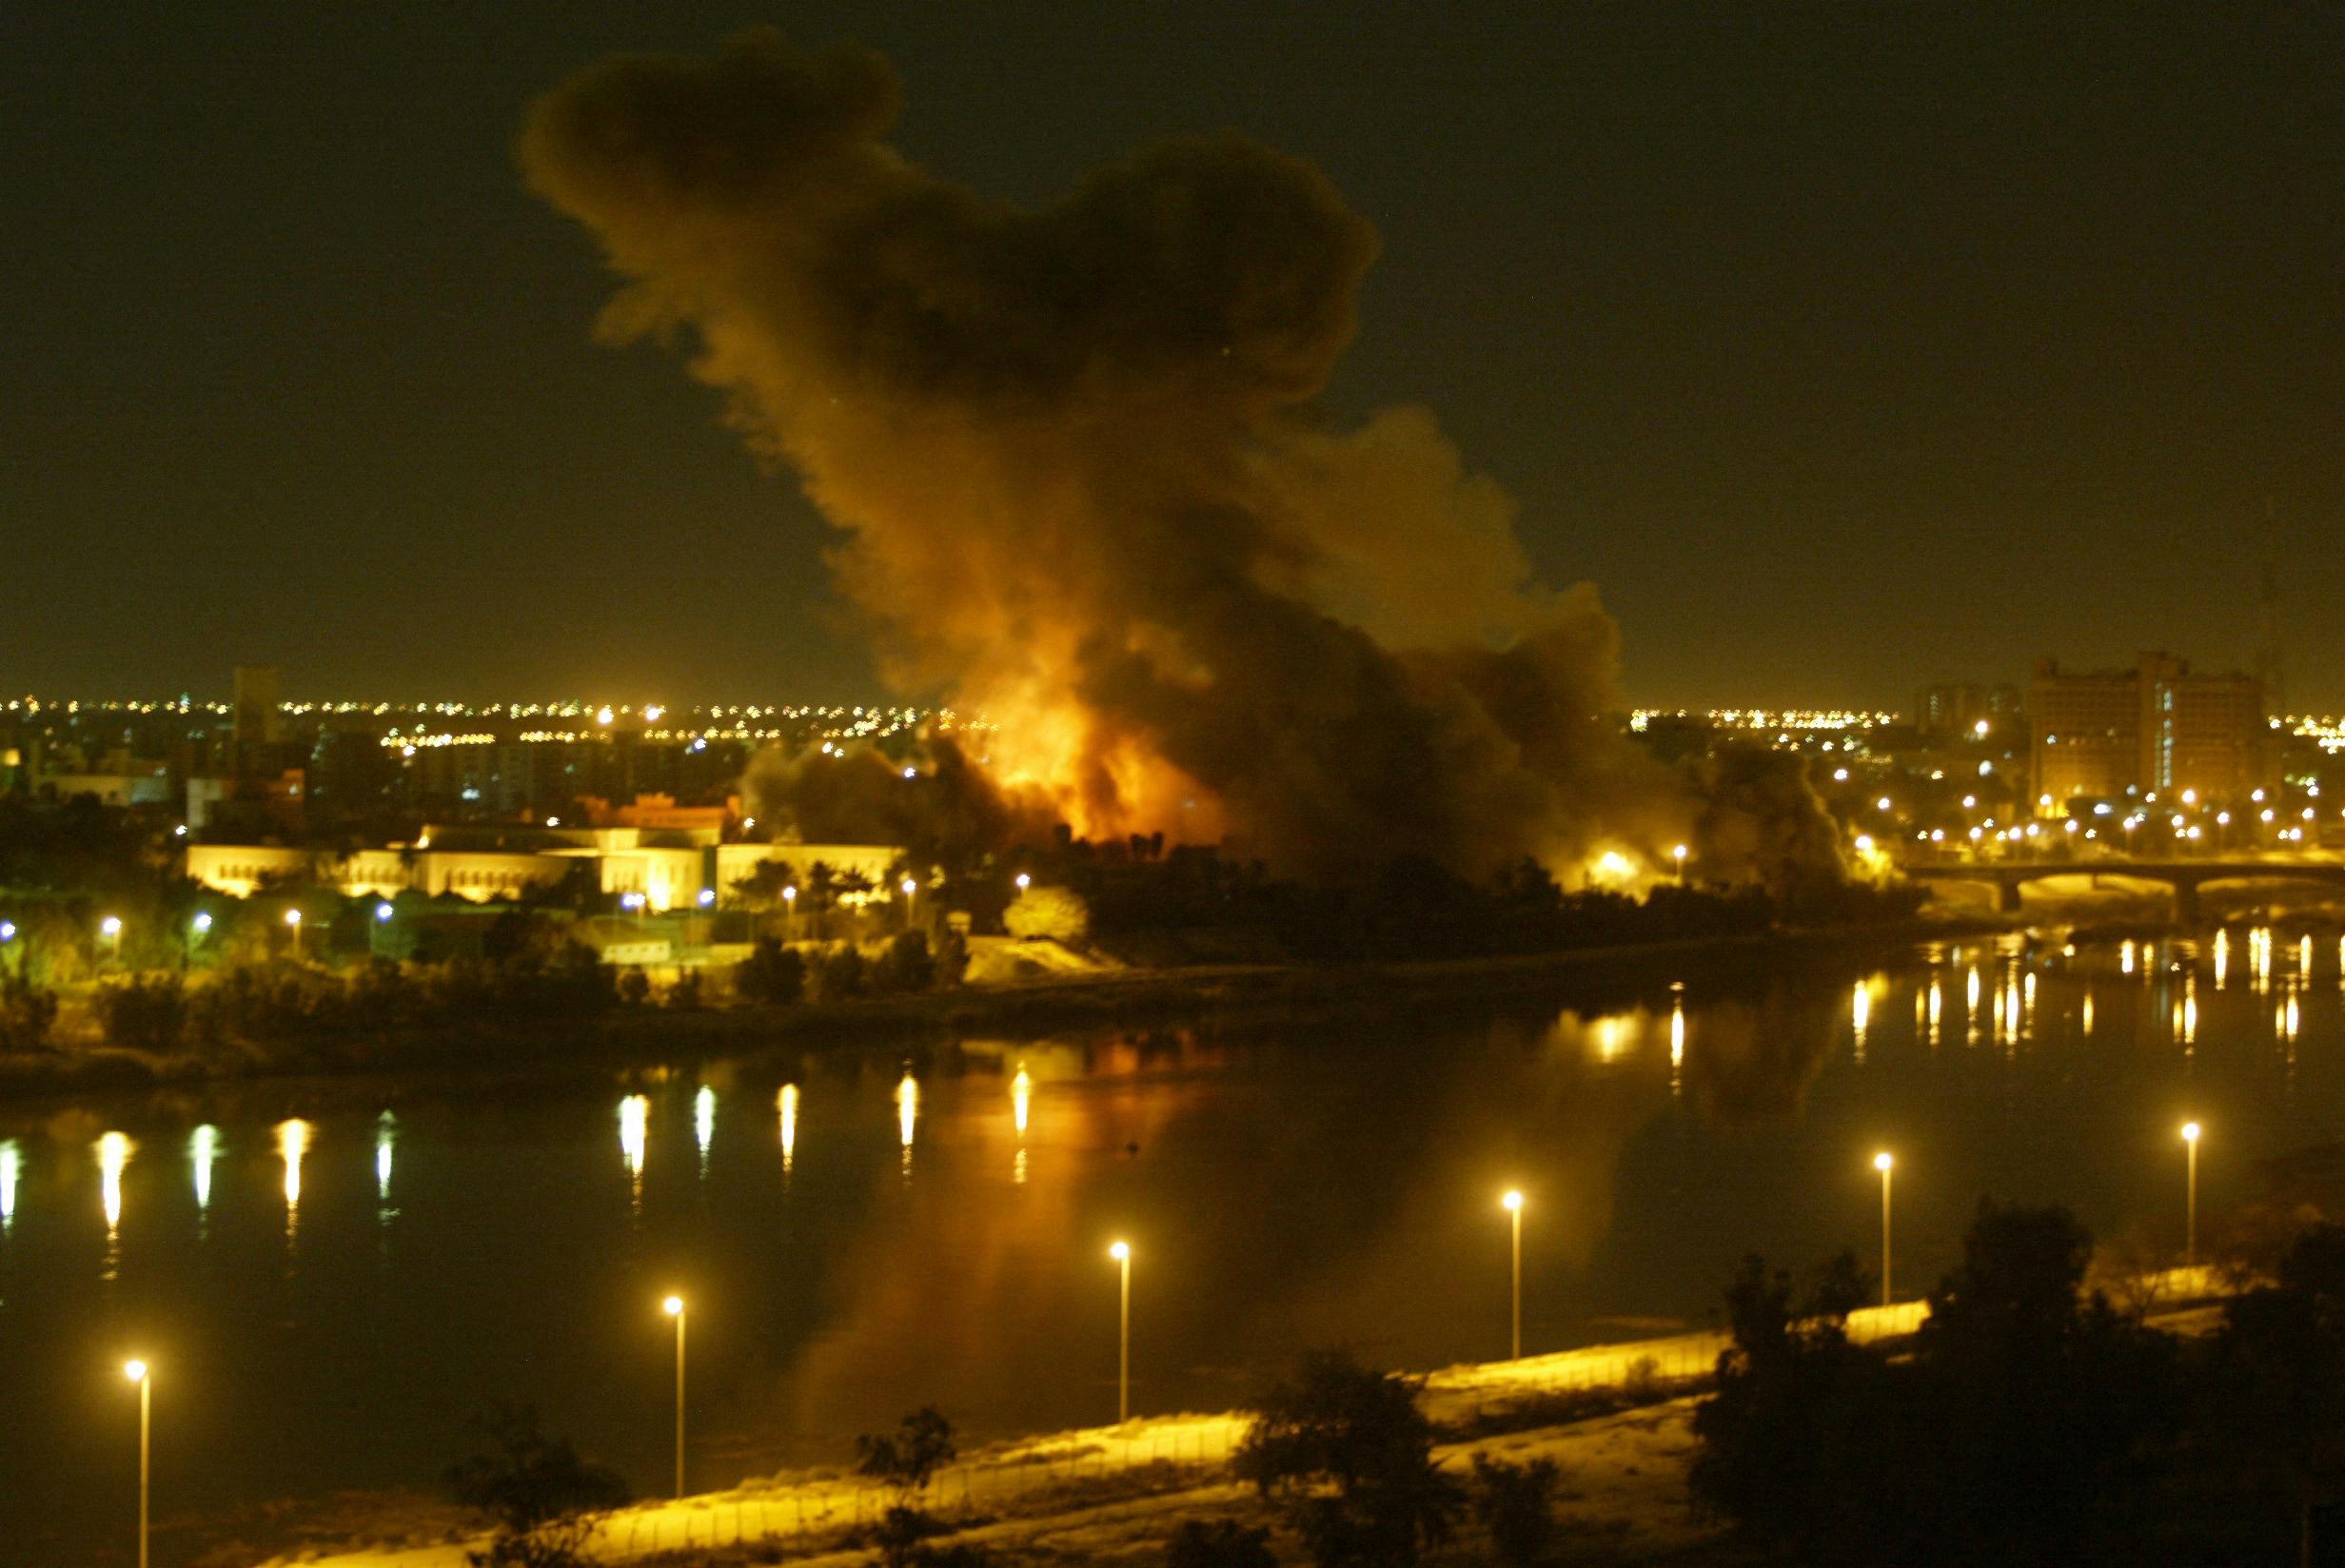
x,y
1679,854
1884,1163
2190,1223
912,899
1512,1203
1121,1252
136,1371
675,1308
110,928
293,923
789,912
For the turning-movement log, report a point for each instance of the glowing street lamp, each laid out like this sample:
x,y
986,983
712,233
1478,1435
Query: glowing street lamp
x,y
912,894
674,1307
2189,1223
789,910
1121,1252
137,1372
1512,1203
110,928
1024,881
1678,855
293,923
1884,1163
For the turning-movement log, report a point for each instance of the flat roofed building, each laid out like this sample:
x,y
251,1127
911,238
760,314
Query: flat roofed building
x,y
2158,728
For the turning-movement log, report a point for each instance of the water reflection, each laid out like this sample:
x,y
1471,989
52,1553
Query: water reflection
x,y
114,1153
634,1115
704,1123
1022,1101
387,1133
203,1149
1655,1178
2222,955
292,1143
907,1112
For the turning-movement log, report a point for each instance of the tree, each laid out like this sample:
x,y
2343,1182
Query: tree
x,y
1348,1456
536,1488
905,1462
2024,1426
772,974
1781,1437
762,888
2278,1397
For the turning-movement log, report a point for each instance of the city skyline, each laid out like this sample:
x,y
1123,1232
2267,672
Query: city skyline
x,y
1766,325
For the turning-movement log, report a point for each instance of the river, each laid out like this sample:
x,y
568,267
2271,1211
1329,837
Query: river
x,y
330,1278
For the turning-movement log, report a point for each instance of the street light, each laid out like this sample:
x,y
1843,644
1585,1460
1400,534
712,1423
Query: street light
x,y
110,928
293,922
136,1372
1679,854
674,1306
789,911
2190,1231
1884,1163
912,892
1024,881
1121,1252
1512,1203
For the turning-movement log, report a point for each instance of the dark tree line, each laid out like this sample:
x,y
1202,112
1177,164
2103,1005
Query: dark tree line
x,y
2030,1421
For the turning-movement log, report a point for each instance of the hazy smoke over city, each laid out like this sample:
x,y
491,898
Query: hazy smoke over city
x,y
1083,484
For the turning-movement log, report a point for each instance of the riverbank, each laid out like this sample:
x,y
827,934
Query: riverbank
x,y
1616,1418
1123,998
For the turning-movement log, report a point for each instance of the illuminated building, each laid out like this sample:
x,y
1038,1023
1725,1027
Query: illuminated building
x,y
2156,728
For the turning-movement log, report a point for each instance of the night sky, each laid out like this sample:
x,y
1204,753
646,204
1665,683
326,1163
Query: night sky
x,y
1844,348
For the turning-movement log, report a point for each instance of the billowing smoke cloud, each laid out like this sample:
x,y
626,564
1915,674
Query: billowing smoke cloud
x,y
1084,489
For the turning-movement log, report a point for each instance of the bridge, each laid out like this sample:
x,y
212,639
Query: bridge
x,y
2186,877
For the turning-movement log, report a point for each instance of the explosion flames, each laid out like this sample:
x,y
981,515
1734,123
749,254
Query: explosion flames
x,y
1084,490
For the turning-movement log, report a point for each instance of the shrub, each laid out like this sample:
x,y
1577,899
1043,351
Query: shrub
x,y
1516,1504
838,975
904,967
1224,1543
145,1013
772,974
1057,914
27,1013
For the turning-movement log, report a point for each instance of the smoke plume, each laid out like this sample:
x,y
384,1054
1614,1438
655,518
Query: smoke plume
x,y
1084,488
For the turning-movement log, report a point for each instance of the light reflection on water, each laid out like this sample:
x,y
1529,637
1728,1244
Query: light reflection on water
x,y
1306,1185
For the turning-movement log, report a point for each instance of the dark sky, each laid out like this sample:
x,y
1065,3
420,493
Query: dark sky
x,y
1844,346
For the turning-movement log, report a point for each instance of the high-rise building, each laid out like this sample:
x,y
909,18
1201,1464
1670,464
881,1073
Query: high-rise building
x,y
256,705
1952,708
2156,728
